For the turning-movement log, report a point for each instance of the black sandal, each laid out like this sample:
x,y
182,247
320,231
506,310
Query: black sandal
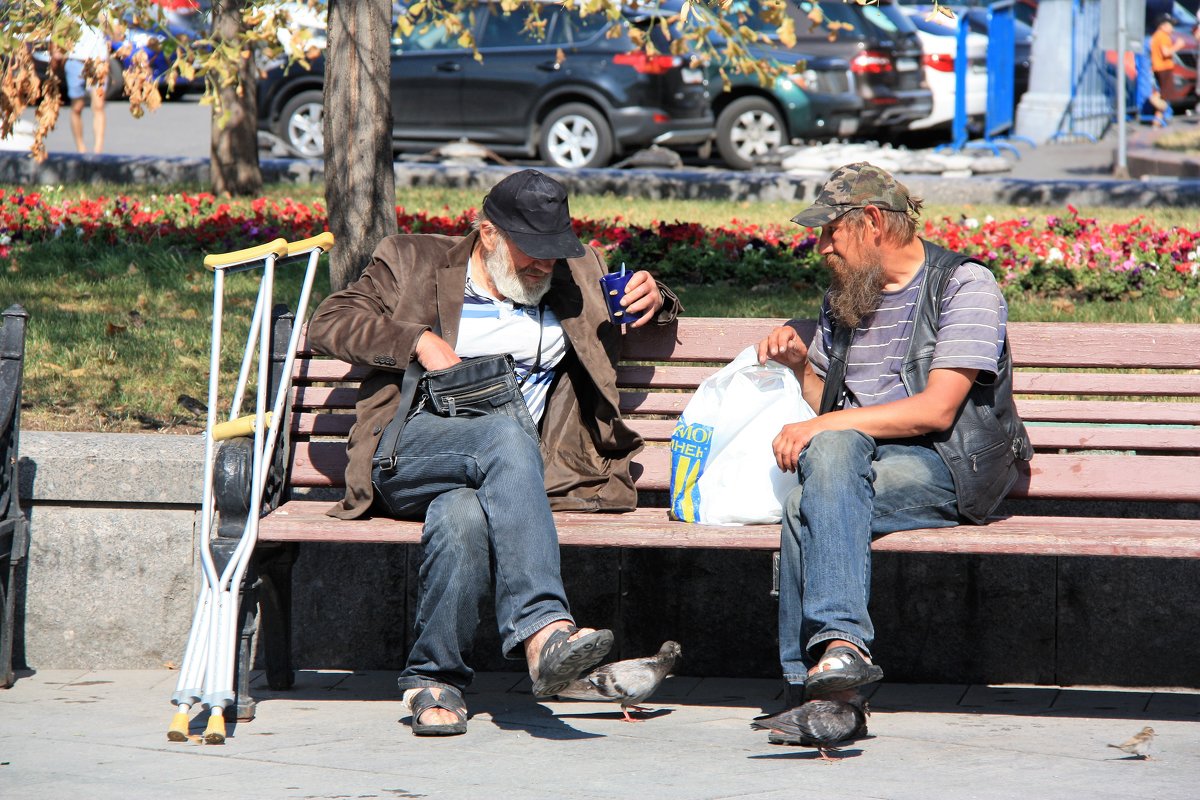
x,y
852,671
451,700
563,659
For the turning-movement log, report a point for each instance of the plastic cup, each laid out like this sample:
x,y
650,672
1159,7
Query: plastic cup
x,y
613,286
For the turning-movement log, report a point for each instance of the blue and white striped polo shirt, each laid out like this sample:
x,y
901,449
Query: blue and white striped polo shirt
x,y
970,335
490,326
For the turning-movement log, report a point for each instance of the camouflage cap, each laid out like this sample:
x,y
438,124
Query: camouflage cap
x,y
854,186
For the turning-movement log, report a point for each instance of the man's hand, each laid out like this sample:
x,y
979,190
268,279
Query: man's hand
x,y
434,353
642,298
792,440
785,346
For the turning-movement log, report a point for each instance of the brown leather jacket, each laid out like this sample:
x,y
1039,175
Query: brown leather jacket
x,y
377,320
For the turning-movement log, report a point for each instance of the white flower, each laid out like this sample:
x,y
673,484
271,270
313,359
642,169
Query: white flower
x,y
1054,255
989,219
5,239
749,246
970,222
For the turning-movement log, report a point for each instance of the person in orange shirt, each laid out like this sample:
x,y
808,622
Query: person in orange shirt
x,y
1163,47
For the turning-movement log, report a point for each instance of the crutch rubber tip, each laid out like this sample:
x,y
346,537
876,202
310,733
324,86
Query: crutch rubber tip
x,y
178,732
215,732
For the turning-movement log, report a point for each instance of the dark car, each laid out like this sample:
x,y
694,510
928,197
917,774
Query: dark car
x,y
812,98
884,52
575,98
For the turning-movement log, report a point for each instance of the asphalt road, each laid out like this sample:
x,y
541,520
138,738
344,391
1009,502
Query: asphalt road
x,y
183,128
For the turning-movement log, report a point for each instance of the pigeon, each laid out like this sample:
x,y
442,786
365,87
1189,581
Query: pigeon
x,y
819,723
1139,744
626,682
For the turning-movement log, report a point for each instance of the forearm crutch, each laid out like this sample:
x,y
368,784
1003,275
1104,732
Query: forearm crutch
x,y
207,672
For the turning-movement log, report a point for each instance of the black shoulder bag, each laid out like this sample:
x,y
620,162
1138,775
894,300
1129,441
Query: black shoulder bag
x,y
471,388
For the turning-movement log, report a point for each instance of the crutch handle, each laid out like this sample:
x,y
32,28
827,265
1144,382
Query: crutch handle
x,y
242,426
215,732
322,242
216,261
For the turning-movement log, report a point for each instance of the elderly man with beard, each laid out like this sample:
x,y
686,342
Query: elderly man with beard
x,y
911,375
519,283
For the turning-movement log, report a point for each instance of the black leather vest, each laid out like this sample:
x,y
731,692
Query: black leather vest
x,y
982,447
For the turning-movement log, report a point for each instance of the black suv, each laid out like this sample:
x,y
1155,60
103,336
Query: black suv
x,y
575,98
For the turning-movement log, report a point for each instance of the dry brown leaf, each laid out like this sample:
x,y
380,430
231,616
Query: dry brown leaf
x,y
1062,305
189,313
112,329
79,372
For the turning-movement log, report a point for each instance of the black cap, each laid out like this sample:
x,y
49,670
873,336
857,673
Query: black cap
x,y
532,209
1167,18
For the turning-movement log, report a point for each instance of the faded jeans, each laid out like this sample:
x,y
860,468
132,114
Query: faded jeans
x,y
477,483
851,489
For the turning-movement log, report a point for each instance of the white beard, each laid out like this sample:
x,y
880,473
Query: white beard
x,y
499,267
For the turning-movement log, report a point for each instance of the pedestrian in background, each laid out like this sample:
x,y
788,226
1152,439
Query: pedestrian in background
x,y
1164,44
86,71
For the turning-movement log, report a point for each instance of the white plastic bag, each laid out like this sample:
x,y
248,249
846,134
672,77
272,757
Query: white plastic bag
x,y
723,471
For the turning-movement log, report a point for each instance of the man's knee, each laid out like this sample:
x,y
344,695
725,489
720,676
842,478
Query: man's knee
x,y
509,439
456,522
837,453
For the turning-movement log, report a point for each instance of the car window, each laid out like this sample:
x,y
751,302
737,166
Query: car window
x,y
514,29
434,37
845,18
575,28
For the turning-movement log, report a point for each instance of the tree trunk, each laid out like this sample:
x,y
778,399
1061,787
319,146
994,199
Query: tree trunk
x,y
235,169
360,187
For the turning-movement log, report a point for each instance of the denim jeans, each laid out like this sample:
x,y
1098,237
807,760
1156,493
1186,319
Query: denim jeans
x,y
477,483
851,489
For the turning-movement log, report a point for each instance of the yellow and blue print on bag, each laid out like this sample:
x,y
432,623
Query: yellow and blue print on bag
x,y
690,445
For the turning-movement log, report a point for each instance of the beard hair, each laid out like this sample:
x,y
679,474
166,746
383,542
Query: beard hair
x,y
855,291
499,266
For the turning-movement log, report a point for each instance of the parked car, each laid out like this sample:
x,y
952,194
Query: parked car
x,y
939,41
976,14
575,98
812,99
884,52
185,20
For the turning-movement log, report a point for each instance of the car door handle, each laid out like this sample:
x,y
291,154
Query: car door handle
x,y
449,66
549,66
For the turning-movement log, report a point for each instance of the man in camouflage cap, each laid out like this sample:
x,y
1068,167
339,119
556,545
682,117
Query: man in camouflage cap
x,y
910,374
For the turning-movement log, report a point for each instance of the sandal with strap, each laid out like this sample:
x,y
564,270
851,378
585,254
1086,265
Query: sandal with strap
x,y
847,670
564,659
451,700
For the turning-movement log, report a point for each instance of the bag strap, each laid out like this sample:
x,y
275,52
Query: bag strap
x,y
408,393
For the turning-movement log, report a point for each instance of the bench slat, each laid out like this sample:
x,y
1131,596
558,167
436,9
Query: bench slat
x,y
1077,476
1035,344
305,521
1094,383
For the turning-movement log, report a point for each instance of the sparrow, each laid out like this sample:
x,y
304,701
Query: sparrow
x,y
819,723
626,682
1139,744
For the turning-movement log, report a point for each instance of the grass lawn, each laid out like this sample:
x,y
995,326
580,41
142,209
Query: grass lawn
x,y
119,334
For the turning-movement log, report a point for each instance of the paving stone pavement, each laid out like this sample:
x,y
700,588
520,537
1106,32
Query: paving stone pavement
x,y
67,734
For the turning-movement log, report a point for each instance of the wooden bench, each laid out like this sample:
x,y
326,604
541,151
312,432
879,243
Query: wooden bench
x,y
14,529
1113,412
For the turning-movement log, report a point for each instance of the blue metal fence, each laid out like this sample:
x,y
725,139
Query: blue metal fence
x,y
1089,111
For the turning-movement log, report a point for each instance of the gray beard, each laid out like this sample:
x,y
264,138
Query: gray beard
x,y
856,291
500,269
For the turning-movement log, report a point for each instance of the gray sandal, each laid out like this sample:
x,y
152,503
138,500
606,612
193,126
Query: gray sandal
x,y
451,700
563,660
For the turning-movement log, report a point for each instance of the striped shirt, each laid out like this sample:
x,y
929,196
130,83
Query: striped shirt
x,y
970,335
490,326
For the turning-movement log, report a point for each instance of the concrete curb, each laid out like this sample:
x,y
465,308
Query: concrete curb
x,y
706,184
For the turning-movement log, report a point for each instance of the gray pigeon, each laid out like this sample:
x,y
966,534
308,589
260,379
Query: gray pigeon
x,y
626,682
819,723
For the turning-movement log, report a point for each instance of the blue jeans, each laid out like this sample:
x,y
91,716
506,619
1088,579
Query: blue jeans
x,y
851,489
477,483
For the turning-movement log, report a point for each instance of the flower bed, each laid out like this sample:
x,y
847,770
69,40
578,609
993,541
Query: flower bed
x,y
1051,256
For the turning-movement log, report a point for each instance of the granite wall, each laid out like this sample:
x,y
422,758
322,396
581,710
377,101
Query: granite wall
x,y
112,574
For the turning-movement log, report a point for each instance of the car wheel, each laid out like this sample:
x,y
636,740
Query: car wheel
x,y
748,129
301,124
115,89
575,136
